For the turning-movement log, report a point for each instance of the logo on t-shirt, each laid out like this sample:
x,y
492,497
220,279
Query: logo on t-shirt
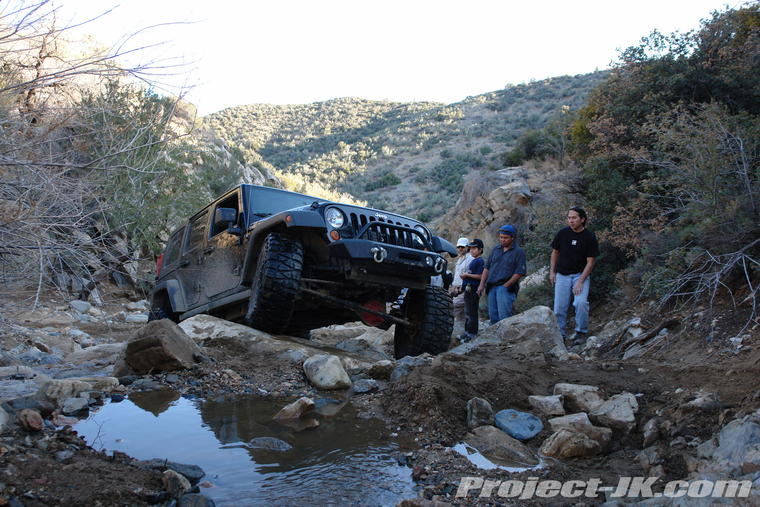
x,y
575,242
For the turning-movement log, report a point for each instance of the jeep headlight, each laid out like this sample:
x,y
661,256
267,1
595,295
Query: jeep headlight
x,y
422,231
335,218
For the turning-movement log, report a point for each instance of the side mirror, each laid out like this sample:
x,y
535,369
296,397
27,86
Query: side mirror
x,y
441,245
224,220
225,215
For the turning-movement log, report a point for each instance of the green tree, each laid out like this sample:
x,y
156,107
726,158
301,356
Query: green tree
x,y
668,150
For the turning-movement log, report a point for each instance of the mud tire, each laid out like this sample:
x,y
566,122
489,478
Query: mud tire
x,y
275,284
432,313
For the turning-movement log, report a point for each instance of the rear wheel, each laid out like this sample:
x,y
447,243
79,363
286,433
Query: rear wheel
x,y
275,284
163,313
432,314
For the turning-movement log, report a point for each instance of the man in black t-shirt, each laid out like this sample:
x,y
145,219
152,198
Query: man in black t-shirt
x,y
574,253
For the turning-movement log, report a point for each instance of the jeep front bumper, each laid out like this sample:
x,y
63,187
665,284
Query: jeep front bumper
x,y
382,258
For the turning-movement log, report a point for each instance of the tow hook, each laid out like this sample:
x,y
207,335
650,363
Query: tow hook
x,y
440,263
379,253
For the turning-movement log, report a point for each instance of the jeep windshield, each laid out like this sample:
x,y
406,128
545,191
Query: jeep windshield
x,y
266,201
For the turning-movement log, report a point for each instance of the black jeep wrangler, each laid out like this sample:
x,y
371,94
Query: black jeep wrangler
x,y
287,263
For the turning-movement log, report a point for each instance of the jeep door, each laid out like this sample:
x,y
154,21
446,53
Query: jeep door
x,y
190,269
224,253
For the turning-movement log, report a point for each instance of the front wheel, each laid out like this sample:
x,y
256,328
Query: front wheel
x,y
432,315
275,284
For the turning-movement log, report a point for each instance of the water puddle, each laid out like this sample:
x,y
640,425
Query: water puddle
x,y
491,462
343,461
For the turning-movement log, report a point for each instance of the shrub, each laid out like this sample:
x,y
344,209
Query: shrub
x,y
514,157
389,179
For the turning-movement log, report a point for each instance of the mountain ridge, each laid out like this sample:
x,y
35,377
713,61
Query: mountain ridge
x,y
413,157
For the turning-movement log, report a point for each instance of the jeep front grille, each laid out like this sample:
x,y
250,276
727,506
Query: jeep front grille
x,y
394,233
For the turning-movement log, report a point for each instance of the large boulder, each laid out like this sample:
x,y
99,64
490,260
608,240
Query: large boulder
x,y
579,398
205,328
569,444
296,409
362,348
618,413
512,195
519,425
531,332
326,372
58,391
105,354
739,445
580,423
550,406
59,345
491,441
20,382
331,335
479,413
159,346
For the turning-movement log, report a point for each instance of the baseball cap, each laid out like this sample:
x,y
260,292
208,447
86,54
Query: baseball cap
x,y
476,242
463,242
507,229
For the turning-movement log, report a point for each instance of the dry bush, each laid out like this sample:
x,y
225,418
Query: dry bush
x,y
81,144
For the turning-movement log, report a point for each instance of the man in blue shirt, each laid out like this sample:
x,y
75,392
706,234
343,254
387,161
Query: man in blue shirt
x,y
505,266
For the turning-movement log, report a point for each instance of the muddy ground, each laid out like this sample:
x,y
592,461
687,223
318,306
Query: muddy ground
x,y
429,406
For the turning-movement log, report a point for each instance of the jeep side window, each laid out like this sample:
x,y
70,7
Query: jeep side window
x,y
196,233
175,247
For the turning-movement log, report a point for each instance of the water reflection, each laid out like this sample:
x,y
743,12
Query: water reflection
x,y
155,402
342,461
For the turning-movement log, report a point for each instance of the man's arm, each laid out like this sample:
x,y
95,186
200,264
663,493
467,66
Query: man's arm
x,y
578,287
483,278
519,269
513,280
553,266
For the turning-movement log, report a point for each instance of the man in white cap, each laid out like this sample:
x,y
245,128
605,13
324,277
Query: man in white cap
x,y
456,286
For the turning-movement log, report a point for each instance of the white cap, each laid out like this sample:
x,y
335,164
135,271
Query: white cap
x,y
463,242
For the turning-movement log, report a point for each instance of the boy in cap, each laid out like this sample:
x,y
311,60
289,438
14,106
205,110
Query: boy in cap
x,y
457,293
470,282
505,266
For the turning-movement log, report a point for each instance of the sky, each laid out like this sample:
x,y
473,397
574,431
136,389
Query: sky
x,y
236,52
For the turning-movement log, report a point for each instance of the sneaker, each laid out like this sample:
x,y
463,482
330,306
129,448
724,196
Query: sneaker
x,y
580,338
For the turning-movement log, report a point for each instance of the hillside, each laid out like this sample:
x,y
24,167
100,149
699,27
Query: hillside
x,y
412,157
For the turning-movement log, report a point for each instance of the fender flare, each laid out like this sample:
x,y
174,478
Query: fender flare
x,y
174,293
442,245
276,223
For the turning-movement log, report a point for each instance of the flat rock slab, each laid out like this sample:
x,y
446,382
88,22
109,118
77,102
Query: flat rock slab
x,y
519,425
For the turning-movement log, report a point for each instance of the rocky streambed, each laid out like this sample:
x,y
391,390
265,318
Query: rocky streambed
x,y
553,416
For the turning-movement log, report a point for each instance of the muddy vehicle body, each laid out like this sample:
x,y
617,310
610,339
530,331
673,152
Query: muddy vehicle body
x,y
284,262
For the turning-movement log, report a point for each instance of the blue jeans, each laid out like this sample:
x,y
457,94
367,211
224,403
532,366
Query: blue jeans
x,y
500,303
563,291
